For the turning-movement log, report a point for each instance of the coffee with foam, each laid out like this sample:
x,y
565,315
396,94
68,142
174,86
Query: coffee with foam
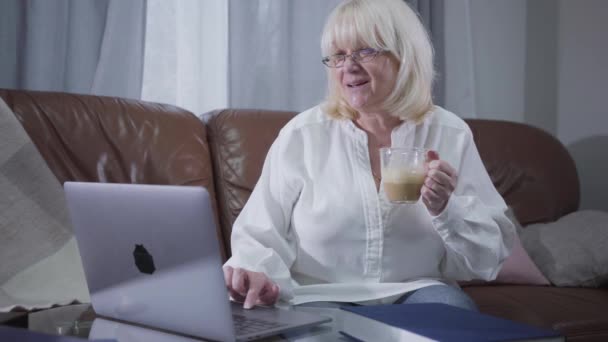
x,y
402,185
403,173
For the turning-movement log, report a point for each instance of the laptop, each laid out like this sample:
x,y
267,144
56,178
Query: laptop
x,y
151,256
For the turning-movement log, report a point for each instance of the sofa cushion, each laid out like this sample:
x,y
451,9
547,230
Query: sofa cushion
x,y
40,262
575,312
572,250
519,268
540,183
108,139
239,140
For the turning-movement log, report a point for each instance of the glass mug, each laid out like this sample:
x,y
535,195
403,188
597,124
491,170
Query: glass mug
x,y
403,173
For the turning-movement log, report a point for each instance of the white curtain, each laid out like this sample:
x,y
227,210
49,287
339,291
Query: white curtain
x,y
432,15
275,53
186,54
459,73
92,47
199,55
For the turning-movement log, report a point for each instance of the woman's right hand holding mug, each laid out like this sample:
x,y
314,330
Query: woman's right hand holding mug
x,y
250,288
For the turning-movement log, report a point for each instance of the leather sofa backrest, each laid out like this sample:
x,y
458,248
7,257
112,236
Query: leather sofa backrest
x,y
106,139
239,141
530,168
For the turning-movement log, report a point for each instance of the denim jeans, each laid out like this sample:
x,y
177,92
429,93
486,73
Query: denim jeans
x,y
443,294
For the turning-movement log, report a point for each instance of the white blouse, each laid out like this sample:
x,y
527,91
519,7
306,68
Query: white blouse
x,y
317,226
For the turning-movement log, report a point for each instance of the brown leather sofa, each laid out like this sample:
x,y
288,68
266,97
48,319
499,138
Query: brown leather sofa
x,y
103,139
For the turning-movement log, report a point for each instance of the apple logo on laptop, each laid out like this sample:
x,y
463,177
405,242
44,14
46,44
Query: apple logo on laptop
x,y
143,259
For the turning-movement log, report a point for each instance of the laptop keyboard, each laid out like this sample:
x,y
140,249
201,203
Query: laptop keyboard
x,y
244,325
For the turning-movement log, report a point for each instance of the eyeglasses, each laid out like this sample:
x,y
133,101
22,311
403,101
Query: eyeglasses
x,y
359,56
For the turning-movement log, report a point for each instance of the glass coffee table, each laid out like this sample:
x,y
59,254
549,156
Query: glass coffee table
x,y
80,320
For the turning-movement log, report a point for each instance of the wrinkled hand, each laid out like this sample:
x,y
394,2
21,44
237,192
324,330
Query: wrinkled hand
x,y
250,288
439,183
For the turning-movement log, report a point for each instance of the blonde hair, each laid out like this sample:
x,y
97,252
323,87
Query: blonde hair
x,y
390,25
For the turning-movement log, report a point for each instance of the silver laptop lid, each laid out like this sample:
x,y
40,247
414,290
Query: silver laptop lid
x,y
151,256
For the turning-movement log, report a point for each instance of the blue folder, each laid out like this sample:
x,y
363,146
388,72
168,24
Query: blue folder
x,y
438,322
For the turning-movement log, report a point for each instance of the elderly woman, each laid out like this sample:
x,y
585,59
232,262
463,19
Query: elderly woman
x,y
318,226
